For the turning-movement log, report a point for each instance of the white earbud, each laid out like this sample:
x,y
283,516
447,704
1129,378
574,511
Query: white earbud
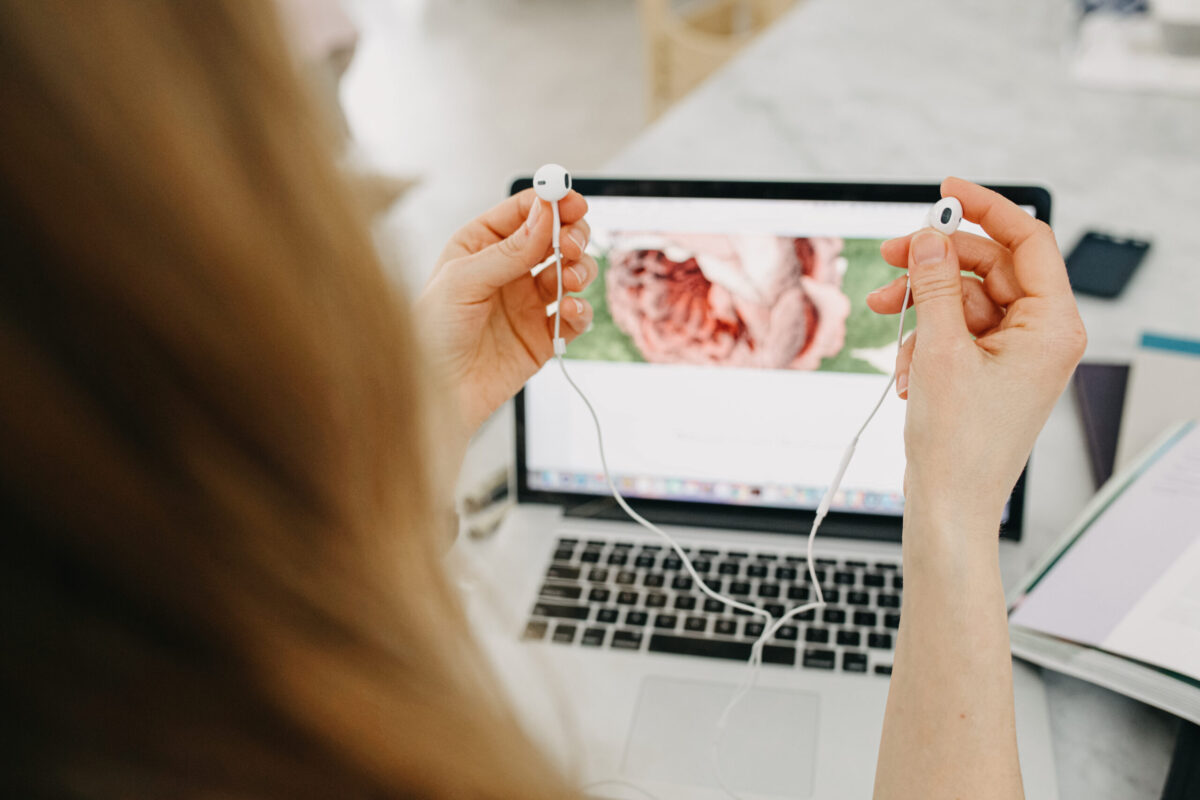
x,y
552,182
945,215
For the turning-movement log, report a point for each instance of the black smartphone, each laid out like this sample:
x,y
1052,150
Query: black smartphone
x,y
1101,265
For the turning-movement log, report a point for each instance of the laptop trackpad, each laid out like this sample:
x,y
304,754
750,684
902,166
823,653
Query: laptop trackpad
x,y
768,747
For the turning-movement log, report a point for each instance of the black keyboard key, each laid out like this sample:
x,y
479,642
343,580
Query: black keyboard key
x,y
695,624
589,557
596,543
849,638
599,595
785,573
767,556
817,635
626,577
796,559
737,555
713,606
883,669
821,576
866,619
756,571
563,573
880,641
818,659
834,616
873,579
561,591
644,561
891,621
593,637
567,541
626,640
667,621
598,575
887,565
843,578
739,587
806,615
715,584
858,598
564,633
685,602
628,598
898,582
753,629
709,552
672,563
623,545
564,554
725,627
636,618
653,580
787,632
832,595
606,615
854,662
560,611
800,593
719,648
856,564
535,629
888,601
656,600
618,558
729,568
702,565
775,609
682,583
651,548
827,562
768,590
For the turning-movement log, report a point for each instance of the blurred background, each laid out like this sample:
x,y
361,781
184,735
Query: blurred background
x,y
444,101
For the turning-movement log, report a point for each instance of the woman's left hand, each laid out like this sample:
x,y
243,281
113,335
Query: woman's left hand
x,y
483,314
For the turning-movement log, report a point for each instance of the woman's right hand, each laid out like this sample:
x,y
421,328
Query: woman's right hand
x,y
989,357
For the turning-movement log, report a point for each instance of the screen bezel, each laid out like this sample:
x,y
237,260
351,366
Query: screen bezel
x,y
877,527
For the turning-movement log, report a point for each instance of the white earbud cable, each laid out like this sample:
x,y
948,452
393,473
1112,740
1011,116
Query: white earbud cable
x,y
771,625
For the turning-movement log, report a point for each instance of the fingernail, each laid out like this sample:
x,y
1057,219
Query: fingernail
x,y
578,305
874,292
579,273
534,212
577,237
928,247
902,384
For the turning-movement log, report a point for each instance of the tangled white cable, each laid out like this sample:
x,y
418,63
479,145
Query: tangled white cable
x,y
552,183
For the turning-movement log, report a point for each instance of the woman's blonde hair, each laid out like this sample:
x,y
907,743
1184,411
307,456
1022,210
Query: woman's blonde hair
x,y
220,564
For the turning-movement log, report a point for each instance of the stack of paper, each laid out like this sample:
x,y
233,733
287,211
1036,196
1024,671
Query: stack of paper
x,y
1117,601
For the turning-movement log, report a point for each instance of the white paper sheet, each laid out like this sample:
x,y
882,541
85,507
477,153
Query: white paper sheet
x,y
1131,583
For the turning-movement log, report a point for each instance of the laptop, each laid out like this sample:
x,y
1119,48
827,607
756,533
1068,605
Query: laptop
x,y
731,359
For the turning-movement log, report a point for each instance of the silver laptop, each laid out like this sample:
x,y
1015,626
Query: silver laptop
x,y
731,359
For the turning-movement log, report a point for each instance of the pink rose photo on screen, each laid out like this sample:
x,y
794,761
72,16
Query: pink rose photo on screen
x,y
747,300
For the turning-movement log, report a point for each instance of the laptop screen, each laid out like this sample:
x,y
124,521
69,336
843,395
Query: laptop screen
x,y
732,356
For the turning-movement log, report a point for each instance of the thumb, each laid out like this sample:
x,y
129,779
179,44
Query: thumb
x,y
511,257
936,287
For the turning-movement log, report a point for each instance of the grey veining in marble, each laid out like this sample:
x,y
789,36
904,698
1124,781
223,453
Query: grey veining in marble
x,y
848,89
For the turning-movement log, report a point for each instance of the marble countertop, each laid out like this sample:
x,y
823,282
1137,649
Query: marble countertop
x,y
863,89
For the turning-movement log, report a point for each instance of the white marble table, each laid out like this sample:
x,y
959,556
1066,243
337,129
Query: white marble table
x,y
845,89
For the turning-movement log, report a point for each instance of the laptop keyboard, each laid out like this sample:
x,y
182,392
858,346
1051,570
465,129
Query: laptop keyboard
x,y
623,595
